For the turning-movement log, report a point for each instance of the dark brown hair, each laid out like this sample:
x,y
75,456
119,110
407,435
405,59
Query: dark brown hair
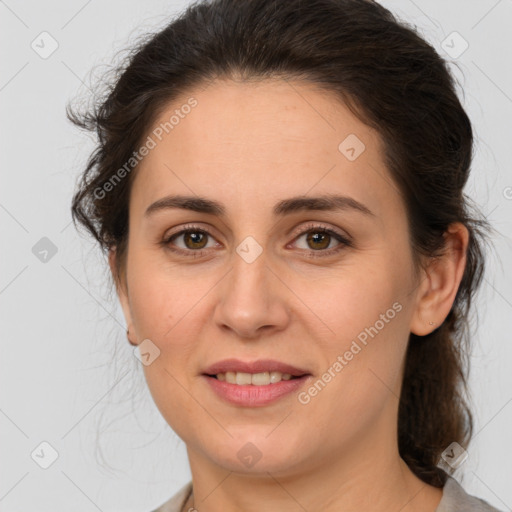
x,y
393,81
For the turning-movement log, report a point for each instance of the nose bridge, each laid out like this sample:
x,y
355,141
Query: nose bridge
x,y
249,297
249,270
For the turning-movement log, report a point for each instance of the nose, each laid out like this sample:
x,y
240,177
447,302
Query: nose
x,y
252,299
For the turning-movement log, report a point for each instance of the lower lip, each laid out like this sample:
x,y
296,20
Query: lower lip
x,y
255,396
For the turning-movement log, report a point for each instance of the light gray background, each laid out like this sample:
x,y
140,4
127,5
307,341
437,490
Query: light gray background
x,y
66,368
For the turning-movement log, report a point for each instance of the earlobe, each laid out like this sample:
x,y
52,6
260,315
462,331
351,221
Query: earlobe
x,y
443,275
121,289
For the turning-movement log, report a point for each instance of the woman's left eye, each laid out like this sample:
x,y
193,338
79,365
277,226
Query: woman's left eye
x,y
318,238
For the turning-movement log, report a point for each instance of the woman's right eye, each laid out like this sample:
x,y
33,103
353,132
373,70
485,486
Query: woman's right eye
x,y
193,239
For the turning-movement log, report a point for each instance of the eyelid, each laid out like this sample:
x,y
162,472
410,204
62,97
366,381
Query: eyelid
x,y
189,227
312,225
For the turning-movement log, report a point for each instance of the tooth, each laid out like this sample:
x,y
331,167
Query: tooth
x,y
275,377
243,378
231,377
260,379
256,379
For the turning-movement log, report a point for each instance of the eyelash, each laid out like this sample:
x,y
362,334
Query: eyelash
x,y
343,241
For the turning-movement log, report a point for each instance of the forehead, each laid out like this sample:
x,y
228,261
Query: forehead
x,y
261,140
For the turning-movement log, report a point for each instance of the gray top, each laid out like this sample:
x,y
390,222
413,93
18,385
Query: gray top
x,y
455,499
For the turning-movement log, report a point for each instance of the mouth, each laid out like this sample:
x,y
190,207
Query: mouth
x,y
254,384
254,379
257,373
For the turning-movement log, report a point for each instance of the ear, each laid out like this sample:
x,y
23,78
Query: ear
x,y
122,293
441,281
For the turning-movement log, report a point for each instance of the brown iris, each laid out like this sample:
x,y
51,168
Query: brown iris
x,y
313,236
196,238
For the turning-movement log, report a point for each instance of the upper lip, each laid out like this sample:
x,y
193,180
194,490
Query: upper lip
x,y
259,366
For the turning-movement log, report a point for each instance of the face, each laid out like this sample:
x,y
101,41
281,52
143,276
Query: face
x,y
326,288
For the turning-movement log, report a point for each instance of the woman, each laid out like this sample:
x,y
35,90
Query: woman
x,y
279,189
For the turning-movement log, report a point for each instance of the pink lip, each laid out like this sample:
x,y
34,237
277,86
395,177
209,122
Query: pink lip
x,y
260,366
254,396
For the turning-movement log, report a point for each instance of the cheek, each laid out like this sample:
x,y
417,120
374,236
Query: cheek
x,y
368,312
362,361
355,298
163,309
161,300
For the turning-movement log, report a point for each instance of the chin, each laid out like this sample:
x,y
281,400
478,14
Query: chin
x,y
253,454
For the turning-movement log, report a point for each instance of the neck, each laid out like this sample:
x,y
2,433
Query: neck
x,y
368,475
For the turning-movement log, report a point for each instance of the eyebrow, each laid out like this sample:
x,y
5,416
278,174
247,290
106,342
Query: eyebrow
x,y
326,202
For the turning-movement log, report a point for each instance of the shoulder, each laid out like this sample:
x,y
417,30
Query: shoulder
x,y
175,504
456,499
